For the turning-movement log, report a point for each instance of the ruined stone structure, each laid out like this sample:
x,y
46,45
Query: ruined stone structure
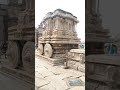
x,y
102,70
75,59
59,34
96,35
3,28
21,32
38,33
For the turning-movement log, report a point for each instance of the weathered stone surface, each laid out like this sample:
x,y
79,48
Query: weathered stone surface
x,y
20,74
55,78
103,69
59,31
75,59
21,32
96,35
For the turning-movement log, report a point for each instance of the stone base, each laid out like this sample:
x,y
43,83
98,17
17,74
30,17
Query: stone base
x,y
54,62
20,74
76,65
103,71
75,59
97,86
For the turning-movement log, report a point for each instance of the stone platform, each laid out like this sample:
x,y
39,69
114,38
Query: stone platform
x,y
53,62
103,72
75,59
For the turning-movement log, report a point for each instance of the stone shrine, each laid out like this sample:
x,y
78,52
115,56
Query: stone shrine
x,y
102,70
96,35
59,34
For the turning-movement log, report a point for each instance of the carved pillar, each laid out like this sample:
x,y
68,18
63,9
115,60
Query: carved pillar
x,y
53,25
56,23
88,5
73,26
46,25
66,24
50,24
27,4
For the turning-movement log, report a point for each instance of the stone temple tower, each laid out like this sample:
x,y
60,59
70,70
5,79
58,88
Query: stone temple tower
x,y
96,35
59,34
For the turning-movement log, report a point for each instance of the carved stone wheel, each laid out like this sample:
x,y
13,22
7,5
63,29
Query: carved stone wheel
x,y
28,57
13,54
40,49
48,51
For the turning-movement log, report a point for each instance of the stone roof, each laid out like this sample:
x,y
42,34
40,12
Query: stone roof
x,y
60,13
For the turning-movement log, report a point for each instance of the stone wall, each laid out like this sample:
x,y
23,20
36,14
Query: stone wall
x,y
75,59
103,72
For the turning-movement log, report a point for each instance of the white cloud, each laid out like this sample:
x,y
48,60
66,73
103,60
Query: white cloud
x,y
76,7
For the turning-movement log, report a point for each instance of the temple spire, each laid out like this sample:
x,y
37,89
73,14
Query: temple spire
x,y
98,6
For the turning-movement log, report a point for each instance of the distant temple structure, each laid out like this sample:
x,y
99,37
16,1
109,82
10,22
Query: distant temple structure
x,y
58,36
102,70
3,28
96,35
38,33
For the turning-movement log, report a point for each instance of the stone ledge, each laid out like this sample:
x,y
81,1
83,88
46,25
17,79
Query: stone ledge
x,y
76,65
54,62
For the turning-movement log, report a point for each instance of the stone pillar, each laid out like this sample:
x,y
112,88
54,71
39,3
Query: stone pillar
x,y
74,26
57,22
46,24
88,4
31,4
53,25
93,6
1,28
49,24
66,24
27,4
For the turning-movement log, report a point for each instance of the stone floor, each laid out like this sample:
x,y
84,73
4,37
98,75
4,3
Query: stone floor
x,y
48,77
8,82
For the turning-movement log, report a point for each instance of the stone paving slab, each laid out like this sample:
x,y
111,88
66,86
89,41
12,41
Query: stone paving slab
x,y
50,77
9,82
